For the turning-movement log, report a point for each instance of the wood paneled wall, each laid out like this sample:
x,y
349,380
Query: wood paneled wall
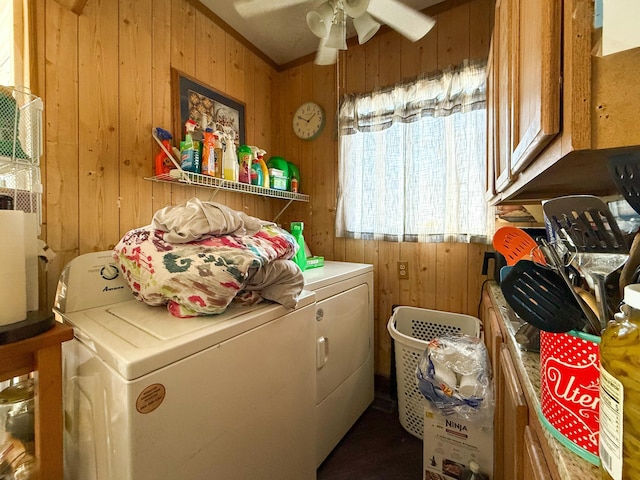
x,y
443,276
105,78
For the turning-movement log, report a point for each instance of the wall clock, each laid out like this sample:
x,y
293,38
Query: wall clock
x,y
308,120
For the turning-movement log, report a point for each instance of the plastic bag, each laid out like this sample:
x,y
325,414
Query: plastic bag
x,y
454,374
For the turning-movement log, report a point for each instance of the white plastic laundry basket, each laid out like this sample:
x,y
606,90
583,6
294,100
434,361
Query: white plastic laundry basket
x,y
412,329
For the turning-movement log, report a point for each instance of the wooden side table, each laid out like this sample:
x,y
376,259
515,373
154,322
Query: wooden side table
x,y
42,354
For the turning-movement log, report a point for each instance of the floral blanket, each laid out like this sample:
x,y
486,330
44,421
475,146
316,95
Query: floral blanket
x,y
204,276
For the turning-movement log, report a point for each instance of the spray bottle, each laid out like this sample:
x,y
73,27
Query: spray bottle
x,y
265,171
256,169
163,162
229,160
190,150
301,257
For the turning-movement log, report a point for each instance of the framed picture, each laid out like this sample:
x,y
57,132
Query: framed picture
x,y
207,107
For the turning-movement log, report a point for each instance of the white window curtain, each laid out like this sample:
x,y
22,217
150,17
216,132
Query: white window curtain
x,y
412,159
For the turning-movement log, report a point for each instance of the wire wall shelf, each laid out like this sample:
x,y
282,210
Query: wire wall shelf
x,y
198,180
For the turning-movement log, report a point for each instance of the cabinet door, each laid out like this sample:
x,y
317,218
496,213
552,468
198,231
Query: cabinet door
x,y
502,33
534,467
535,78
512,419
490,179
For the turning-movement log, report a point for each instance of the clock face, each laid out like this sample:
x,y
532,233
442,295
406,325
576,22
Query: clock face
x,y
308,121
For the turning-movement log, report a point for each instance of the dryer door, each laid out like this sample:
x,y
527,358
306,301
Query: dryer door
x,y
343,342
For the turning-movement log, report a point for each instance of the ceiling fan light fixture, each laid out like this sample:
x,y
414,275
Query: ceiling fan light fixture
x,y
319,20
355,8
338,33
366,27
326,55
406,21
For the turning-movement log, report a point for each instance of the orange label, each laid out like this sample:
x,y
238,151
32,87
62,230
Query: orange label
x,y
150,398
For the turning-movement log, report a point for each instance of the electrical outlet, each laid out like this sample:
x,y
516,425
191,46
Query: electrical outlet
x,y
403,270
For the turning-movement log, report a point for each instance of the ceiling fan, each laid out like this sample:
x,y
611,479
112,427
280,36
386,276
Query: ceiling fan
x,y
328,21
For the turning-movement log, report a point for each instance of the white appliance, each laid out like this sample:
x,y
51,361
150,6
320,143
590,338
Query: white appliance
x,y
344,348
148,396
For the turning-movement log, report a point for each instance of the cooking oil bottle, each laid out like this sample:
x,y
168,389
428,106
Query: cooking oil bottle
x,y
620,391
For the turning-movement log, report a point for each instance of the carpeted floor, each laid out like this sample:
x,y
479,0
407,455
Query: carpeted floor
x,y
376,448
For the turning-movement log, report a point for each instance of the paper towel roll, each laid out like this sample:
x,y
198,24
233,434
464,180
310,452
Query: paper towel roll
x,y
13,290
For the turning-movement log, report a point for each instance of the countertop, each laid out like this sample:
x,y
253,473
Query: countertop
x,y
570,466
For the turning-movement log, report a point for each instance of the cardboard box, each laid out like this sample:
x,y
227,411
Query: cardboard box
x,y
450,443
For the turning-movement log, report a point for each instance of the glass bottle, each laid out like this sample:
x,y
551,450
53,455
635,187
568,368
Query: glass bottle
x,y
620,391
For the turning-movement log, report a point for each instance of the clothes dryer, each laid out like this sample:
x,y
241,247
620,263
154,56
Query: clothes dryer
x,y
148,396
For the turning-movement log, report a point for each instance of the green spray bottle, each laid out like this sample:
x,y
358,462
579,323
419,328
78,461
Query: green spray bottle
x,y
301,258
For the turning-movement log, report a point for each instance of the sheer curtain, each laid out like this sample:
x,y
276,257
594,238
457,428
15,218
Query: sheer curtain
x,y
412,159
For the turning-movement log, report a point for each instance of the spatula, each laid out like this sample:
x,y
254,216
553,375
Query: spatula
x,y
625,171
600,245
515,244
540,297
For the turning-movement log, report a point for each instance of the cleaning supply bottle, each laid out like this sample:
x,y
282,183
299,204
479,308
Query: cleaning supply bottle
x,y
190,150
620,390
163,163
218,151
301,258
244,163
256,169
209,159
229,160
263,165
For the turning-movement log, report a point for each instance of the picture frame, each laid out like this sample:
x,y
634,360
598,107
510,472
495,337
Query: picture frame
x,y
206,106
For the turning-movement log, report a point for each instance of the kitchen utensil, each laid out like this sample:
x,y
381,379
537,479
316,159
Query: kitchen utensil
x,y
601,246
528,337
625,171
556,262
515,244
539,296
629,270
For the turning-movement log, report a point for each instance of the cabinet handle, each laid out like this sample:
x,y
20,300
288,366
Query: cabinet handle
x,y
322,352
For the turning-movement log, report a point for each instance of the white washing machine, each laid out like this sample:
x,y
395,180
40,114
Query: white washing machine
x,y
344,348
148,396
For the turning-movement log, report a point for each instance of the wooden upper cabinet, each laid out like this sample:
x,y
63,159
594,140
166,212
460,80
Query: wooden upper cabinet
x,y
501,89
490,179
536,57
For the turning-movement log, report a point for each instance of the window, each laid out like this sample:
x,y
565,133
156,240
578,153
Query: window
x,y
412,159
14,42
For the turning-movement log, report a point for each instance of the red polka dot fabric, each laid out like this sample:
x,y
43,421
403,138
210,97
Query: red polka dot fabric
x,y
570,387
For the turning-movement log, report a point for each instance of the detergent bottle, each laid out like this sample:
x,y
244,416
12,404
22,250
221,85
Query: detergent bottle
x,y
244,162
301,257
209,158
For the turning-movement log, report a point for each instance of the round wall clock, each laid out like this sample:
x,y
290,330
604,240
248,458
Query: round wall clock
x,y
308,121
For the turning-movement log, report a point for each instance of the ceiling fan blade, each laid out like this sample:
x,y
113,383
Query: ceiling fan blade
x,y
405,20
249,8
326,55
